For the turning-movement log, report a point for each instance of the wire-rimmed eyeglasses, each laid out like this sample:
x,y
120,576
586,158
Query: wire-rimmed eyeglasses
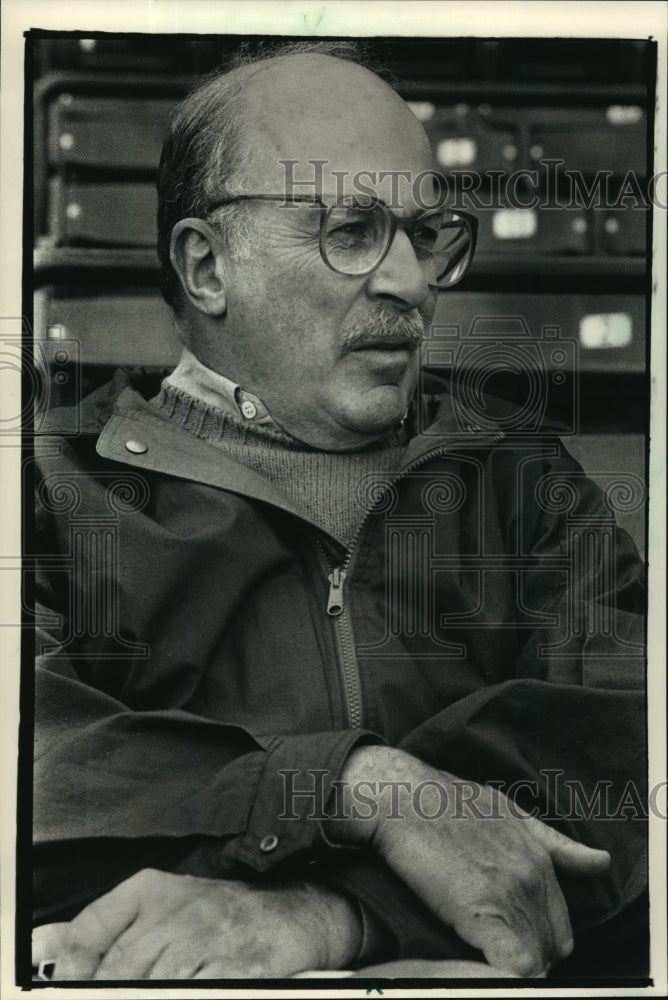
x,y
356,234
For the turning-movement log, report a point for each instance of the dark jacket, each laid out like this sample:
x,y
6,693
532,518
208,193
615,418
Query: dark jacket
x,y
491,625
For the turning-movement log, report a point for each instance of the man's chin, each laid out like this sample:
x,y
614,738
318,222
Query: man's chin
x,y
378,413
351,421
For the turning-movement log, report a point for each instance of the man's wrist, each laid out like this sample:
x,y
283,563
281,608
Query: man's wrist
x,y
343,936
347,824
367,794
374,935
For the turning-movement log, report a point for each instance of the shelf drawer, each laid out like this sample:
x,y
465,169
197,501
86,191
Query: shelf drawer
x,y
103,214
110,329
107,133
599,333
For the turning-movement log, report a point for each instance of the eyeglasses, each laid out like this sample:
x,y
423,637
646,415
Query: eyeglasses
x,y
356,234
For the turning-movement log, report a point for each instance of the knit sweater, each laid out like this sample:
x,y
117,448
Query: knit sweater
x,y
334,489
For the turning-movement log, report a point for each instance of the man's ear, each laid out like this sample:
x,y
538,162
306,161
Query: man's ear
x,y
196,254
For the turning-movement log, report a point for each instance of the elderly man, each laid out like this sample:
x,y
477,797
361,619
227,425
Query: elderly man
x,y
265,764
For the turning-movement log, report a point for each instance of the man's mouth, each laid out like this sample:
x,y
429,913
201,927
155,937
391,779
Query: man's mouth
x,y
386,331
387,345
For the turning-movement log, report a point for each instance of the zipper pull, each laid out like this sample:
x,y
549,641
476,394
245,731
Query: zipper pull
x,y
335,600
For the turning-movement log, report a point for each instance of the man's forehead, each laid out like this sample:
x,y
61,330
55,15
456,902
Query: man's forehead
x,y
334,123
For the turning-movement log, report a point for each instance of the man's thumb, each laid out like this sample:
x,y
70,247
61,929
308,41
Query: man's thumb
x,y
571,856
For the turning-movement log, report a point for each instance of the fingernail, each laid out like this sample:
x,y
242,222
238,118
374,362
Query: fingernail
x,y
46,969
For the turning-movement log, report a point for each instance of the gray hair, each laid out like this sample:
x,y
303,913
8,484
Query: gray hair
x,y
202,155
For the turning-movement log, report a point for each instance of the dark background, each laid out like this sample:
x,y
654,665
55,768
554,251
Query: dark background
x,y
100,108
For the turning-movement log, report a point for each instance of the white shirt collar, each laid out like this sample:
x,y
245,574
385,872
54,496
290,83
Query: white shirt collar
x,y
215,390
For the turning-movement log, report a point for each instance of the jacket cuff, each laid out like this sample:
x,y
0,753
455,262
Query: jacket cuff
x,y
290,795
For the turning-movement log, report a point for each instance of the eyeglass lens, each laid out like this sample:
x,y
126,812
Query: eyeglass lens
x,y
356,235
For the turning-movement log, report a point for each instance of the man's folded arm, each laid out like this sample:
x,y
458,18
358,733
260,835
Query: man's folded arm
x,y
165,784
116,791
192,795
565,734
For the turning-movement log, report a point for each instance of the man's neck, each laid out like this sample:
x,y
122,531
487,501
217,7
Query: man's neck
x,y
217,391
225,396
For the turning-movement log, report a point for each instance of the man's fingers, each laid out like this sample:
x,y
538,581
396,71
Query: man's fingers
x,y
85,940
579,860
505,949
47,945
135,951
520,921
557,912
46,941
543,911
569,855
53,943
218,970
179,958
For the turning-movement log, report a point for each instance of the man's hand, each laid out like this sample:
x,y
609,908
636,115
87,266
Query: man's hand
x,y
156,925
491,879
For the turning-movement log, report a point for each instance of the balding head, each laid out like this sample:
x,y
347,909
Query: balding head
x,y
313,107
304,104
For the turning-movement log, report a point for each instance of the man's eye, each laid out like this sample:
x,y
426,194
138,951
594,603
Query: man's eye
x,y
350,233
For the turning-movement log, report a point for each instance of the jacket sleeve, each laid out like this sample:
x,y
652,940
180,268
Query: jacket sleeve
x,y
118,787
573,756
563,730
115,790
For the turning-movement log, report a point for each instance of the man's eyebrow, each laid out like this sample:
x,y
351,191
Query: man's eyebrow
x,y
412,213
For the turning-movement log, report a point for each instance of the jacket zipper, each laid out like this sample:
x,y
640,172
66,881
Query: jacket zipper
x,y
337,609
343,633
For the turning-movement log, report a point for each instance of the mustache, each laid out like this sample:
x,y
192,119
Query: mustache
x,y
386,326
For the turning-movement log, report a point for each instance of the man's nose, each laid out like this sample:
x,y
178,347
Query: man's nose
x,y
400,278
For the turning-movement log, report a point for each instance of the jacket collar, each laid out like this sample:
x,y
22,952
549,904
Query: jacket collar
x,y
134,433
137,434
